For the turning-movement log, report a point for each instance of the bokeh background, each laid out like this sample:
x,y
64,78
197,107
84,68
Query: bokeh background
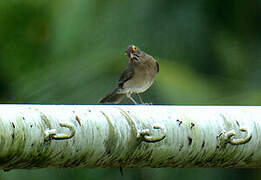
x,y
71,52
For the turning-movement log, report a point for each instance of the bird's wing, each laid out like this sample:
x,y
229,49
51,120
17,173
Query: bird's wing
x,y
157,66
127,74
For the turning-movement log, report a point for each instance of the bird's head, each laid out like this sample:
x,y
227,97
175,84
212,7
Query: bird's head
x,y
134,53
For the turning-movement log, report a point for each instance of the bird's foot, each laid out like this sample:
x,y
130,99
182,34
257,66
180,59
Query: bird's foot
x,y
146,104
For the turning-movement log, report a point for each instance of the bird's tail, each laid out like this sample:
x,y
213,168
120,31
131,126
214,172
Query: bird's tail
x,y
113,98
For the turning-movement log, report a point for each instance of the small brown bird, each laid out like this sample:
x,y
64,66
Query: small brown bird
x,y
136,78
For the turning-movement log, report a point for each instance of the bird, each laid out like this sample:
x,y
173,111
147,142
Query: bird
x,y
136,78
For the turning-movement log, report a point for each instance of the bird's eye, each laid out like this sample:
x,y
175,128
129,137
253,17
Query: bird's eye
x,y
134,48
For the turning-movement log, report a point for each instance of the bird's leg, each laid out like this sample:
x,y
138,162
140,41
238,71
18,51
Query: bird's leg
x,y
140,99
130,98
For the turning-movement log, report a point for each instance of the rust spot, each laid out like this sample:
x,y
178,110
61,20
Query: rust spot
x,y
218,136
13,125
180,147
121,171
190,140
179,121
203,144
192,125
78,120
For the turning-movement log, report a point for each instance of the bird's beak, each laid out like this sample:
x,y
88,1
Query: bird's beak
x,y
126,54
134,56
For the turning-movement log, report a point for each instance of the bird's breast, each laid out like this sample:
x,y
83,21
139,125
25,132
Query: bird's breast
x,y
144,76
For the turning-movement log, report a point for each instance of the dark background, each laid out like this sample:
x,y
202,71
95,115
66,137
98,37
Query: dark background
x,y
71,52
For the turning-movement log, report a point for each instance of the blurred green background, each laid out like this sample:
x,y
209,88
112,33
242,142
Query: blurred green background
x,y
71,52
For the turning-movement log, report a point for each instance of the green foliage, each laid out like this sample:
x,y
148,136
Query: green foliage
x,y
72,52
